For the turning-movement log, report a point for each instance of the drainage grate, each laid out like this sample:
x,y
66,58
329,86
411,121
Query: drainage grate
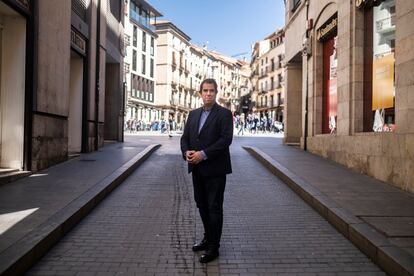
x,y
87,160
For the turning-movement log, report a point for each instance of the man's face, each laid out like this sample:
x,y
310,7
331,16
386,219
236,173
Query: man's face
x,y
208,94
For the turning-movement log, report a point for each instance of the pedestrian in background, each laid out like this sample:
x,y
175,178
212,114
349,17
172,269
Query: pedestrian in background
x,y
205,144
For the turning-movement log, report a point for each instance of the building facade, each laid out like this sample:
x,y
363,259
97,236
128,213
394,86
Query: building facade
x,y
182,66
267,76
54,101
348,84
140,62
227,72
176,93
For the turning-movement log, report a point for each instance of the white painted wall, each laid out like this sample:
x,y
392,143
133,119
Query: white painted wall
x,y
75,105
12,86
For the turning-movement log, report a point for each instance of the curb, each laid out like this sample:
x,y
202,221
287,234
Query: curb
x,y
392,259
19,257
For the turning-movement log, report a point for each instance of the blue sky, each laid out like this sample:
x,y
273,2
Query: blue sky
x,y
229,26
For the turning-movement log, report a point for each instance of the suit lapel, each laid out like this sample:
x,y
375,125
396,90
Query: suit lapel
x,y
213,113
196,121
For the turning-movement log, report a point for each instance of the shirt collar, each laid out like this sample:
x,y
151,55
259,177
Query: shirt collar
x,y
209,109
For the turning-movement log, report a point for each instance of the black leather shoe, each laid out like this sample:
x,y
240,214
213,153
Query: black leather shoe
x,y
209,256
200,245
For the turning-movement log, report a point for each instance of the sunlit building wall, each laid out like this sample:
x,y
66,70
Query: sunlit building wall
x,y
140,63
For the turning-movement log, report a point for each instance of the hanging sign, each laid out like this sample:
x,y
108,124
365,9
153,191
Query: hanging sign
x,y
77,42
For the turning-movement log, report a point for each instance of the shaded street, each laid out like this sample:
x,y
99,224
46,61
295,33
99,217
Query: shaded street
x,y
148,224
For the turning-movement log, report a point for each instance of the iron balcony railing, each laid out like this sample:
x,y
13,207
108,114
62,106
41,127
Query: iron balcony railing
x,y
386,24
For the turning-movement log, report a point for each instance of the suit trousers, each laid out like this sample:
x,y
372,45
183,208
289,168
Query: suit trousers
x,y
209,196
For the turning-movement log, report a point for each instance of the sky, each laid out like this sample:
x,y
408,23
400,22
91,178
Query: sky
x,y
226,26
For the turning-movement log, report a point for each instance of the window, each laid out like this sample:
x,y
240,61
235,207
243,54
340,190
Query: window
x,y
144,41
379,68
134,36
143,64
152,68
272,64
134,60
294,4
152,46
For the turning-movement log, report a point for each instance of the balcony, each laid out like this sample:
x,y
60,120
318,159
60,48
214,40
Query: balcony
x,y
143,21
385,25
173,101
126,68
127,40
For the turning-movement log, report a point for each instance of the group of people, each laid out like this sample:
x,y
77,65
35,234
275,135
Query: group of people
x,y
254,123
164,126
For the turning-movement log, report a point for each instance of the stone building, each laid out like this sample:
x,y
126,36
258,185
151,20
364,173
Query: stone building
x,y
268,92
349,84
139,63
176,86
53,101
226,71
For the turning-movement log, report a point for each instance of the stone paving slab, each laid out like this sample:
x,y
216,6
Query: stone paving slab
x,y
377,213
148,224
35,212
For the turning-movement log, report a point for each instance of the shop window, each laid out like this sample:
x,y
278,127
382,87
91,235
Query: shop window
x,y
327,35
330,96
379,67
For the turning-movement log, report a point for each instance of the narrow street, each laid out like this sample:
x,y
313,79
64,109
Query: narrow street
x,y
149,223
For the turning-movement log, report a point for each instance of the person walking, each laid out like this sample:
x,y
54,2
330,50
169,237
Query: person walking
x,y
241,125
205,144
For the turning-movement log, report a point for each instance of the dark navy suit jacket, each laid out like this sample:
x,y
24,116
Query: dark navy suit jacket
x,y
214,139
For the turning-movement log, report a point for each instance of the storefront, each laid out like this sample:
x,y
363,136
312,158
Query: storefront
x,y
15,81
356,63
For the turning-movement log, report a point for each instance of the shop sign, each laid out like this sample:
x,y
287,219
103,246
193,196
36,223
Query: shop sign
x,y
327,28
367,3
77,42
360,3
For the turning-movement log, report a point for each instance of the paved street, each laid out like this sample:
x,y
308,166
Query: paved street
x,y
148,224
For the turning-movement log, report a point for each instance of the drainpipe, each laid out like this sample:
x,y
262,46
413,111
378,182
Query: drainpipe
x,y
97,75
305,140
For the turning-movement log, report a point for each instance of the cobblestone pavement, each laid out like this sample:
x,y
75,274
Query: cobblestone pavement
x,y
148,224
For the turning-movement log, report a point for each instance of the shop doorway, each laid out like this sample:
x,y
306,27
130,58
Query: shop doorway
x,y
12,87
75,104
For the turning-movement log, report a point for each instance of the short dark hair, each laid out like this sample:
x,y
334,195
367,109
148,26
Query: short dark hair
x,y
209,81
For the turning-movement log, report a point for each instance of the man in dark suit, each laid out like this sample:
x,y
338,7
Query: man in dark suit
x,y
205,143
